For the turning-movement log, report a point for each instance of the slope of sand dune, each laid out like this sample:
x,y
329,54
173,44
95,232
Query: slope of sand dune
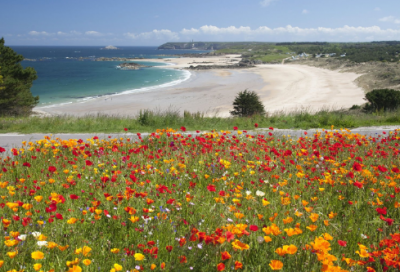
x,y
281,87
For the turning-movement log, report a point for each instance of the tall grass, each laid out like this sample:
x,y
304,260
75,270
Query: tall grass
x,y
148,120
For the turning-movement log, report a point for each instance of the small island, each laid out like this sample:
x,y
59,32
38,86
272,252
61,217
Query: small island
x,y
109,47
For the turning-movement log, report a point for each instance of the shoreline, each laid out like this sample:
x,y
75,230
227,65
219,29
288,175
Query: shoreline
x,y
280,87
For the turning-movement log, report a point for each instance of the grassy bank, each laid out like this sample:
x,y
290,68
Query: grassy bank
x,y
149,121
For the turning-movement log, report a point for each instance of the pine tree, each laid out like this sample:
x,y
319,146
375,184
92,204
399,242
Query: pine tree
x,y
247,103
15,95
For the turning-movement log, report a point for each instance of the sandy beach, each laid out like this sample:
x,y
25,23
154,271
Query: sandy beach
x,y
281,87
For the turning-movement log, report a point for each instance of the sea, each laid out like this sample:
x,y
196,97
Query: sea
x,y
69,74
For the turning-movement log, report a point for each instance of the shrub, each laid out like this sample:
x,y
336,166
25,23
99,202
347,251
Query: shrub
x,y
15,94
383,99
247,103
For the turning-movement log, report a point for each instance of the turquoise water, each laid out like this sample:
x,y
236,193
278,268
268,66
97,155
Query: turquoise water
x,y
65,80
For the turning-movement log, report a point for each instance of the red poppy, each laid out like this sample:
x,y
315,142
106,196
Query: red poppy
x,y
182,242
395,170
183,129
52,208
220,267
211,188
2,150
253,228
52,169
256,125
73,196
238,265
381,210
59,216
382,168
182,259
358,184
387,220
225,255
89,163
342,243
169,248
357,167
271,128
235,128
229,236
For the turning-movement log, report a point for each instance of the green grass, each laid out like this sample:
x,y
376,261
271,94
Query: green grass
x,y
272,57
149,121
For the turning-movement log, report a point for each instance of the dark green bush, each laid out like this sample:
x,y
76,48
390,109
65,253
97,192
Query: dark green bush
x,y
247,103
383,99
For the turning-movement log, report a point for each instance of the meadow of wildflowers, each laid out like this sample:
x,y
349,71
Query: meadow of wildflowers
x,y
218,201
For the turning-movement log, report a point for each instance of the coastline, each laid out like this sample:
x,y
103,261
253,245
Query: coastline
x,y
281,88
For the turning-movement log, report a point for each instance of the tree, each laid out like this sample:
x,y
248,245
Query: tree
x,y
247,103
383,99
15,95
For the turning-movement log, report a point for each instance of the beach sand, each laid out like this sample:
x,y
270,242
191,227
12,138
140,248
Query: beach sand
x,y
281,87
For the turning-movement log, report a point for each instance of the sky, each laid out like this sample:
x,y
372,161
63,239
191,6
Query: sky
x,y
154,22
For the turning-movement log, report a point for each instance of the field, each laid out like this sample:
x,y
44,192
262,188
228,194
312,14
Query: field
x,y
215,202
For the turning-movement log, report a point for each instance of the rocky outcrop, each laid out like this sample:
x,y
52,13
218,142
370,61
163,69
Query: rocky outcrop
x,y
130,66
116,59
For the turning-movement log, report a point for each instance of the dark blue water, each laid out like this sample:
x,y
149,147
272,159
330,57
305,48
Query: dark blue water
x,y
69,74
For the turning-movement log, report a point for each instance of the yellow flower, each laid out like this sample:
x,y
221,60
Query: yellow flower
x,y
37,266
1,263
134,219
72,220
312,227
117,267
267,239
12,254
11,243
51,245
328,237
37,255
115,250
153,266
86,262
86,250
239,245
75,268
276,265
138,257
314,217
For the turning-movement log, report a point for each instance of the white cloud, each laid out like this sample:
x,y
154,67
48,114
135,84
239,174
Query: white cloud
x,y
190,31
390,19
39,33
93,33
305,11
377,9
266,3
292,33
162,34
